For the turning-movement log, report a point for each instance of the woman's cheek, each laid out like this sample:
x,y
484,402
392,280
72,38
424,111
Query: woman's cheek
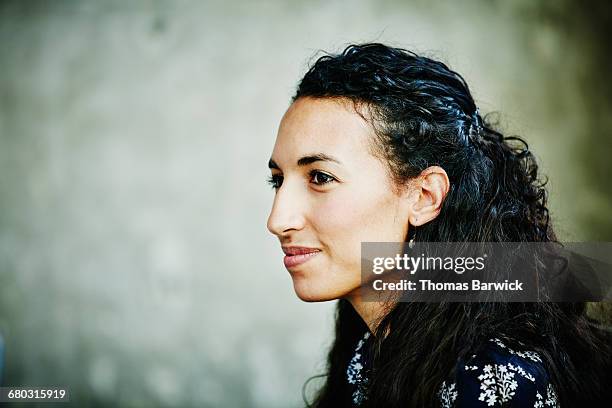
x,y
339,214
339,224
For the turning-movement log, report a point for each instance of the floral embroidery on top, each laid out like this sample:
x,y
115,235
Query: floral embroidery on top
x,y
497,376
522,372
354,372
447,394
551,399
532,355
496,381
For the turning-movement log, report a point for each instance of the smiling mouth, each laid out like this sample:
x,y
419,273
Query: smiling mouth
x,y
298,250
299,258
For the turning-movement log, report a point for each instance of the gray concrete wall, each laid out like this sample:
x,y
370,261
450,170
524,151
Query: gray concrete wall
x,y
135,265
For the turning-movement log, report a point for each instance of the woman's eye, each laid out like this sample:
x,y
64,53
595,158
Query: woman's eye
x,y
320,178
275,181
316,177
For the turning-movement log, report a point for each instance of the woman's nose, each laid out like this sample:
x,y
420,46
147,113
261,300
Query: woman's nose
x,y
287,213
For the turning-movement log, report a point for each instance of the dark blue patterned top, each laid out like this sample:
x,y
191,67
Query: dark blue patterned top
x,y
497,376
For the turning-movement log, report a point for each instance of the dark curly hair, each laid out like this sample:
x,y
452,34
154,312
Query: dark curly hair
x,y
423,114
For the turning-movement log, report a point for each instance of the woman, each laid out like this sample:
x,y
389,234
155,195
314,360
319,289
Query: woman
x,y
383,145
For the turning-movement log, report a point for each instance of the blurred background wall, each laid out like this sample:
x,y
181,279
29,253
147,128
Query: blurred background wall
x,y
135,264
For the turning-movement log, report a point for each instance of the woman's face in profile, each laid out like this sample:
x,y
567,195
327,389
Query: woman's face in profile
x,y
331,194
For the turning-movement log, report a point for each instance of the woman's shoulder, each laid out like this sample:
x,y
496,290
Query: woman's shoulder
x,y
499,375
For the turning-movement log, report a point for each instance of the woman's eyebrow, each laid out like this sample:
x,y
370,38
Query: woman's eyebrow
x,y
306,160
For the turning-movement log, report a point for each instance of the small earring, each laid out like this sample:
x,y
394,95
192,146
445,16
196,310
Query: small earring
x,y
411,242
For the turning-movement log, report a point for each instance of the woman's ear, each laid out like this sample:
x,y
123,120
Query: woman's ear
x,y
428,192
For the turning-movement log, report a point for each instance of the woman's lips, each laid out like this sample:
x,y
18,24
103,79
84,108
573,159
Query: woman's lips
x,y
294,260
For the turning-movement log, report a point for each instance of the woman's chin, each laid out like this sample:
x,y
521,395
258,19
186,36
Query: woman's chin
x,y
311,293
309,296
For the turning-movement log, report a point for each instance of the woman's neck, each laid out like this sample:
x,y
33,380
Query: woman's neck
x,y
369,310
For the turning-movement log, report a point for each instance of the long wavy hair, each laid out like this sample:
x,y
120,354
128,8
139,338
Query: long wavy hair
x,y
423,114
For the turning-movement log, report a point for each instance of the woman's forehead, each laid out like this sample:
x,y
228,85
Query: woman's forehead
x,y
328,126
